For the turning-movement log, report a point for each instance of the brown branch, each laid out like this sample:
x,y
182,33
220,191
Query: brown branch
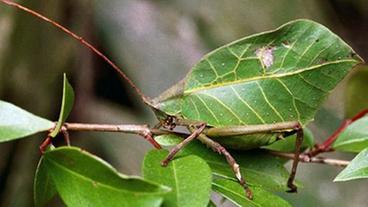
x,y
306,159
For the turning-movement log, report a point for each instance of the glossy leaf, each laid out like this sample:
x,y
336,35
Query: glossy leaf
x,y
82,179
357,169
189,177
235,193
66,105
275,76
16,123
354,138
44,188
288,144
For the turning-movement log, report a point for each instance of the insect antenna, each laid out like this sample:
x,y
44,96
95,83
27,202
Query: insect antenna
x,y
144,98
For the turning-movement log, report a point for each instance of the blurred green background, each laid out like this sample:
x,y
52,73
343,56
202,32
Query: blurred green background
x,y
155,42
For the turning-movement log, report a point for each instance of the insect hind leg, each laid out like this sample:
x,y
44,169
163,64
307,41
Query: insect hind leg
x,y
298,129
217,147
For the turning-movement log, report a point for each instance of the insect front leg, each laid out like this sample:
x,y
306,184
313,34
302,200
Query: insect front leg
x,y
198,129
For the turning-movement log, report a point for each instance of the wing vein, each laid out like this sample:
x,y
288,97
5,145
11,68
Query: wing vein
x,y
269,103
246,104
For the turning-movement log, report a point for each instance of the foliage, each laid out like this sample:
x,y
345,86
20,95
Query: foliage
x,y
17,123
354,138
188,177
232,191
357,169
276,76
82,179
66,106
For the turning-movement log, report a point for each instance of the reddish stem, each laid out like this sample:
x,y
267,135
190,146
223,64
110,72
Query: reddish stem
x,y
326,145
45,144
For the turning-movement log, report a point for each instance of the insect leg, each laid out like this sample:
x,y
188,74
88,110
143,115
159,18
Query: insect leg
x,y
281,127
199,129
232,162
65,132
298,145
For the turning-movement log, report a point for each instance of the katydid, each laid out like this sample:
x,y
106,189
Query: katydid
x,y
251,92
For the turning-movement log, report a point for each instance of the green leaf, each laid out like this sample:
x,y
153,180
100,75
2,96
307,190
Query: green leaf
x,y
189,177
356,95
357,169
258,168
235,193
16,123
44,188
275,76
82,179
66,106
288,144
354,138
168,139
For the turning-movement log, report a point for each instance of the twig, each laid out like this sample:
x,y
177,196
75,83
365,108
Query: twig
x,y
306,159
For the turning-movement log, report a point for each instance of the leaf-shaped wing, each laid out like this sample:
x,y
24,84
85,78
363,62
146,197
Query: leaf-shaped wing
x,y
275,76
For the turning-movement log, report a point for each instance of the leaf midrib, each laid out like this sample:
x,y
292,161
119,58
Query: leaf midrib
x,y
235,193
351,141
279,75
248,169
176,183
351,174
